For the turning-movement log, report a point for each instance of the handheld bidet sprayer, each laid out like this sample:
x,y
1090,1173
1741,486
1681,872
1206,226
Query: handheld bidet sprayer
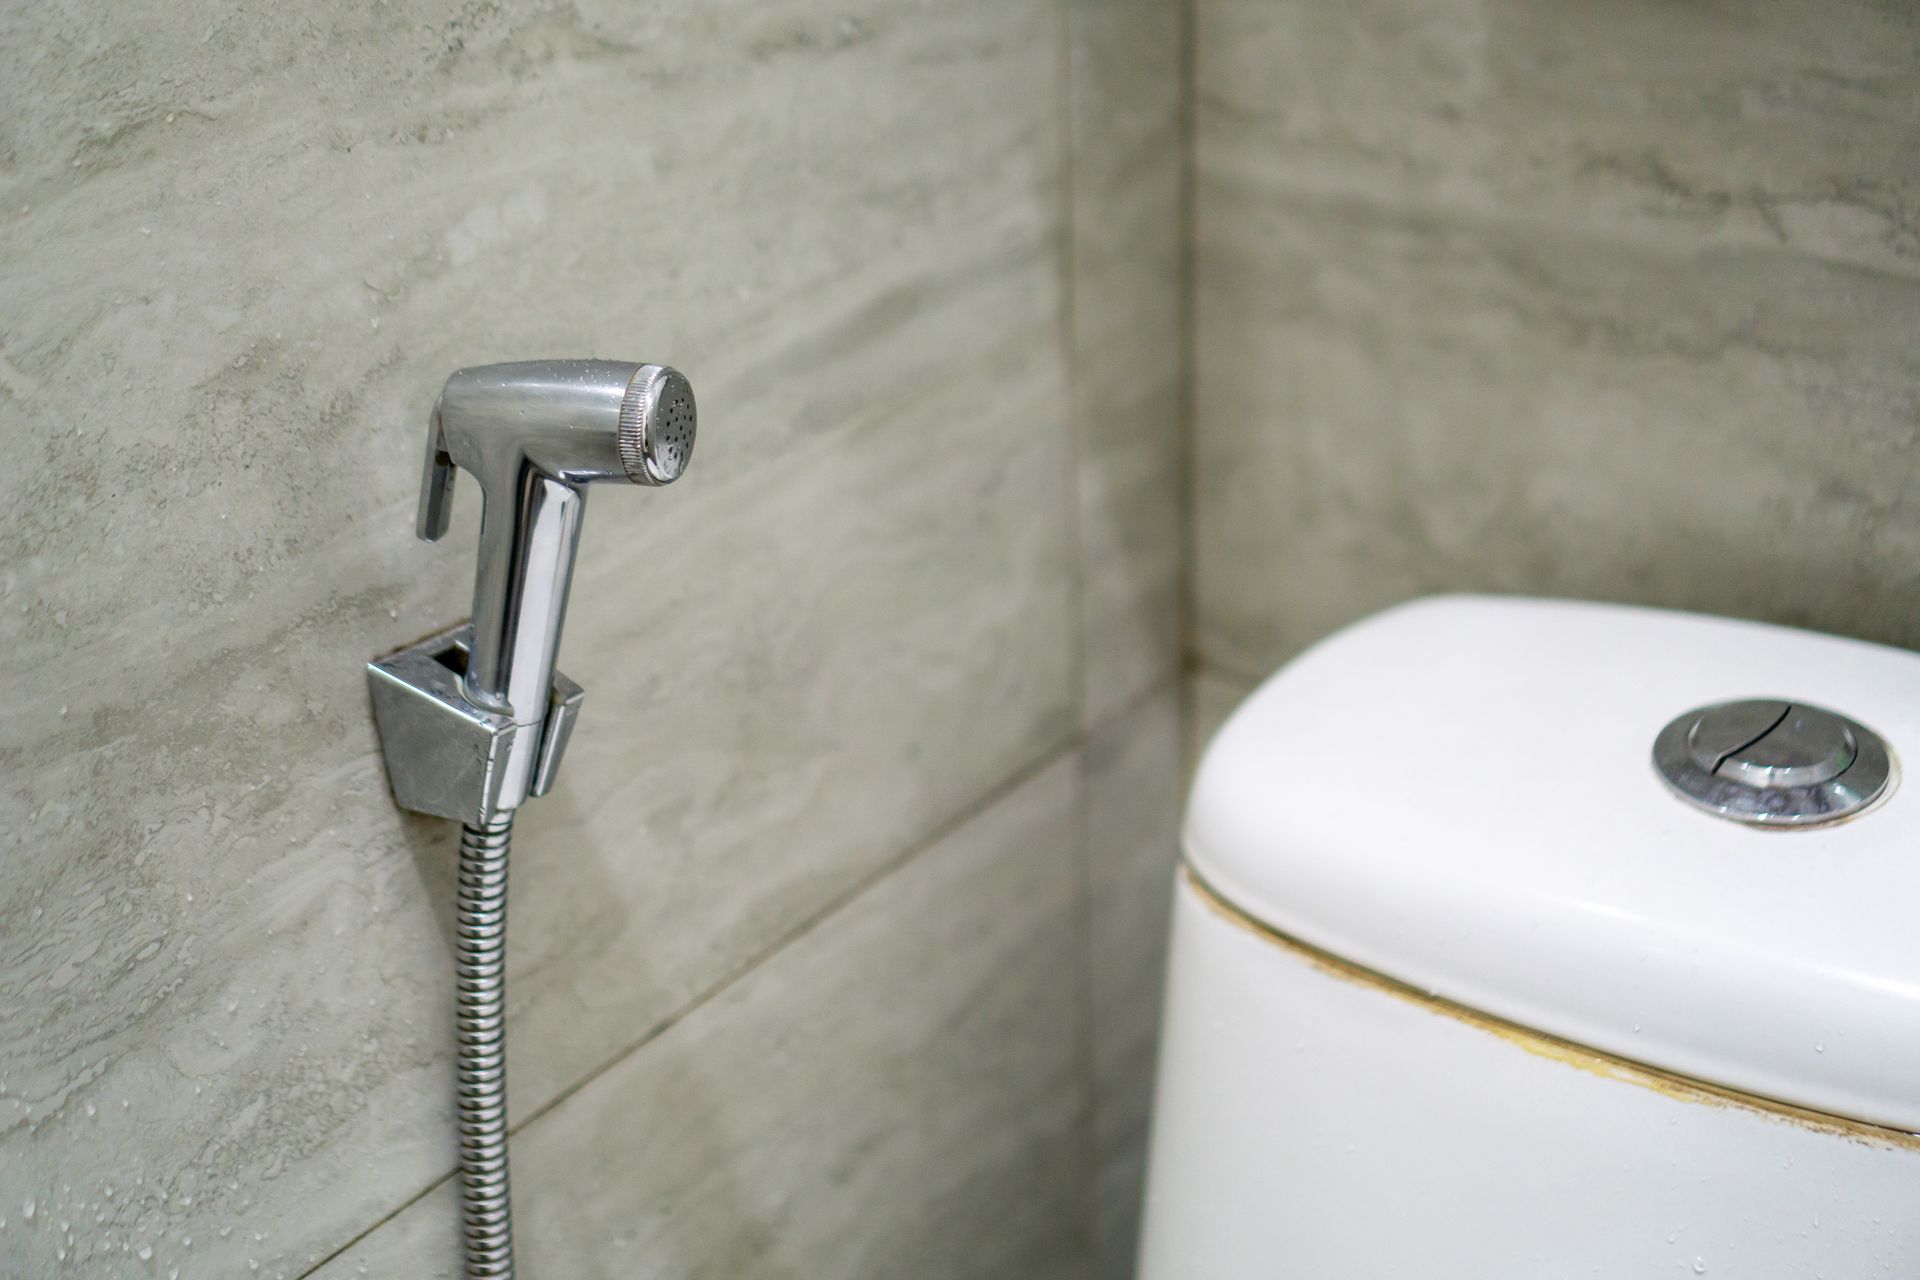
x,y
473,721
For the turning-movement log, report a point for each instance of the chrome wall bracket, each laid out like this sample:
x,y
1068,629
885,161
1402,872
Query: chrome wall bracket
x,y
446,755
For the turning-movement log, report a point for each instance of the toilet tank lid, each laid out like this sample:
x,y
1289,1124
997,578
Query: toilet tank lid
x,y
1458,793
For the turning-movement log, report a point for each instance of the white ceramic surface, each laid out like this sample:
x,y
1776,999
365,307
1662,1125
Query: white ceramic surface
x,y
1457,793
1312,1126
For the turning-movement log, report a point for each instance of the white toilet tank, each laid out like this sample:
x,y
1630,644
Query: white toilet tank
x,y
1463,988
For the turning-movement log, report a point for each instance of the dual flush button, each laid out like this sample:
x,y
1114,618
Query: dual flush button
x,y
1770,762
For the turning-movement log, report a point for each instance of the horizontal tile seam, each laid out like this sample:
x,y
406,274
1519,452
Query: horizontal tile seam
x,y
746,968
1049,756
1204,667
1401,208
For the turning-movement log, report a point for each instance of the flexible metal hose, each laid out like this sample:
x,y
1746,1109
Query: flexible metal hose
x,y
481,975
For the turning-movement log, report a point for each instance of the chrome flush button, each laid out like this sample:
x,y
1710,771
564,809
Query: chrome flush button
x,y
1771,762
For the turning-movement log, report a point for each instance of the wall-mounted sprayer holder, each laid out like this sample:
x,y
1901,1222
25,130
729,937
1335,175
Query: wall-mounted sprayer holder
x,y
474,720
446,754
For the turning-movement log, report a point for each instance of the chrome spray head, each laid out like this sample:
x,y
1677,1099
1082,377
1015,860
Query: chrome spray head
x,y
657,423
576,420
534,435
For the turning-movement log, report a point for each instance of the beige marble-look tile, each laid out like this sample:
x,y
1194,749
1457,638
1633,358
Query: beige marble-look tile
x,y
1128,173
1394,403
899,1092
1785,125
1134,798
247,249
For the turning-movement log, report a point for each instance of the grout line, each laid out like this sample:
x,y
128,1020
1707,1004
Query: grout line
x,y
1418,206
1189,253
748,965
378,1223
1047,758
1069,266
1202,666
1079,448
1169,679
1172,681
1087,1047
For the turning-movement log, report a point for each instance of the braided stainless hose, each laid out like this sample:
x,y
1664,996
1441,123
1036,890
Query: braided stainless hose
x,y
481,978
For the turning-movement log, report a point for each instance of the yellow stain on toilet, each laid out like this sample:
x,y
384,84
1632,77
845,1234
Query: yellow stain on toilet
x,y
1581,1057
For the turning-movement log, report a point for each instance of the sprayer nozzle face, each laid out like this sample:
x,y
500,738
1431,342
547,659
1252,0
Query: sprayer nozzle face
x,y
657,422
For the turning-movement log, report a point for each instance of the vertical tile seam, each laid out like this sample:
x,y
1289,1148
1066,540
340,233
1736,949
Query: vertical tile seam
x,y
1188,664
1188,426
1067,148
1070,148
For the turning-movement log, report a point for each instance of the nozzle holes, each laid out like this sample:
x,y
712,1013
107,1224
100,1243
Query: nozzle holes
x,y
676,434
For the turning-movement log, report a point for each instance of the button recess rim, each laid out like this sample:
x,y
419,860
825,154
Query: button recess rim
x,y
1862,782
